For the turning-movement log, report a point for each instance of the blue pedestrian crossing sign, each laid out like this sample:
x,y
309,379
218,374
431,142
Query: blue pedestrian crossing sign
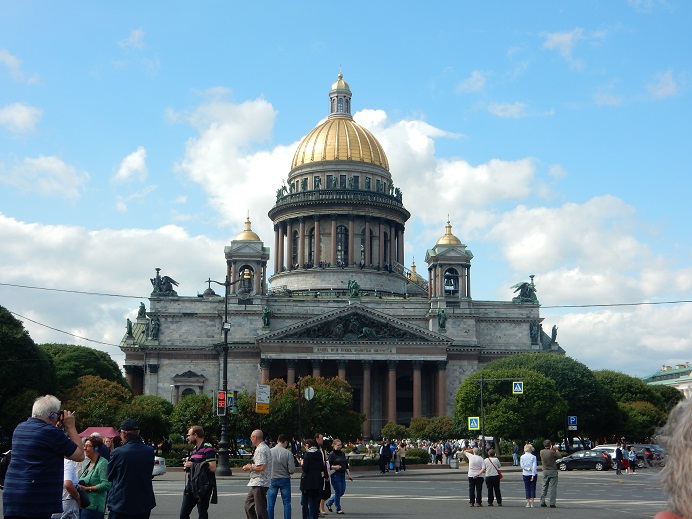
x,y
517,388
474,423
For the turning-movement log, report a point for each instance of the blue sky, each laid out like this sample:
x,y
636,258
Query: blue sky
x,y
139,135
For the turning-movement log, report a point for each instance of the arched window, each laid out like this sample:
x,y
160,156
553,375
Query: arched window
x,y
245,274
451,282
340,105
366,261
342,244
187,392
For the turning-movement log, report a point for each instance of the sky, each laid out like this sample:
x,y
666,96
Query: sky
x,y
137,135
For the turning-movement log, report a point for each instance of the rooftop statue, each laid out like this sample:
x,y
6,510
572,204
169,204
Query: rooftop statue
x,y
266,316
142,312
527,292
442,319
129,328
155,327
353,288
163,286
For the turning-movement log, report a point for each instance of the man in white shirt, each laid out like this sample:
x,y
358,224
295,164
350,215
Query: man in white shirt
x,y
260,478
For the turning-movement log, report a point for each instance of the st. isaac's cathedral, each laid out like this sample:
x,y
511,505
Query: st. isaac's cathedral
x,y
333,298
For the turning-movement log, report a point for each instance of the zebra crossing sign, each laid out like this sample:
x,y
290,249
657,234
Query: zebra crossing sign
x,y
474,423
517,388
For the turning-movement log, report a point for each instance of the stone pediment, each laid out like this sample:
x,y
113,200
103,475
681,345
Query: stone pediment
x,y
449,251
355,323
246,248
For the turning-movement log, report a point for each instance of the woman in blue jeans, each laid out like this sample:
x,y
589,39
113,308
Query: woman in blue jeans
x,y
338,468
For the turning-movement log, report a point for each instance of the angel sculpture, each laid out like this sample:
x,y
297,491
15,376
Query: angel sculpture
x,y
163,286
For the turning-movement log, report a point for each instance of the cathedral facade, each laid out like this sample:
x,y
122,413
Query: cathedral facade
x,y
334,298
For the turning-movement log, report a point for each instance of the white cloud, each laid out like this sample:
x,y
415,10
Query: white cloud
x,y
76,258
43,175
14,67
564,43
134,164
19,118
663,85
474,83
511,110
135,40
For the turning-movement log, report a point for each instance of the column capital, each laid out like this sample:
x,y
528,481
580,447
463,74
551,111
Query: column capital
x,y
334,216
417,364
367,364
341,363
441,365
265,363
291,363
317,363
317,217
391,364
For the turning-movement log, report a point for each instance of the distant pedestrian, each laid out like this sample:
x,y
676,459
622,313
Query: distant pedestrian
x,y
529,472
549,457
492,478
516,450
618,459
260,478
632,457
131,495
475,475
311,480
385,456
283,465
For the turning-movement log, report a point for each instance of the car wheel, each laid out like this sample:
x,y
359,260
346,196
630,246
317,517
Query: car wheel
x,y
562,466
599,466
641,465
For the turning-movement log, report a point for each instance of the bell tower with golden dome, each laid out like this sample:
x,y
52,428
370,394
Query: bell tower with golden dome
x,y
338,218
246,263
449,268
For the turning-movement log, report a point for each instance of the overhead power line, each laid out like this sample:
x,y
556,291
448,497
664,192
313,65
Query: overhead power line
x,y
74,291
63,331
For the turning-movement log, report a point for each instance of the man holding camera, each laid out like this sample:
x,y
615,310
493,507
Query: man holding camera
x,y
34,480
549,457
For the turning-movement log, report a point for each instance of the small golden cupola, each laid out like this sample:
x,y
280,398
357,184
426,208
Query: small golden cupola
x,y
448,238
248,234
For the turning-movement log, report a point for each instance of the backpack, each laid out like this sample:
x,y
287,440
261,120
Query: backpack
x,y
4,464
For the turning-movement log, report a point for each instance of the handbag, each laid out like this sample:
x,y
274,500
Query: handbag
x,y
84,500
499,472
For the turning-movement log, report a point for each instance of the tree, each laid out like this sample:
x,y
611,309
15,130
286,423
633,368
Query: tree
x,y
539,411
625,388
194,410
330,412
441,428
417,427
576,384
393,430
97,401
153,414
73,361
641,419
26,373
669,395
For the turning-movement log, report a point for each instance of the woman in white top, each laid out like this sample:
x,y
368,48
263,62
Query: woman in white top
x,y
529,471
476,470
492,478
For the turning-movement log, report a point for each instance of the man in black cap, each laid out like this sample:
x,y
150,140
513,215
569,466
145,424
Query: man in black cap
x,y
131,495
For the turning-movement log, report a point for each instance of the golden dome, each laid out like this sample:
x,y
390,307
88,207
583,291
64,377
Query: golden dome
x,y
448,238
248,234
340,84
340,138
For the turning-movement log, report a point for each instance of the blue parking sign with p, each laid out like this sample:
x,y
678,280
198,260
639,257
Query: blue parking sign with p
x,y
474,423
571,420
518,388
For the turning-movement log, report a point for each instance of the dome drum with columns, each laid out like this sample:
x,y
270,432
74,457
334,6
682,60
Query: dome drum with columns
x,y
341,302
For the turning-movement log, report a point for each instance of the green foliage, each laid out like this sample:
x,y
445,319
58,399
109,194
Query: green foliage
x,y
625,388
394,431
441,428
576,384
641,419
669,395
194,410
72,361
540,410
26,373
97,402
330,412
417,454
153,414
417,427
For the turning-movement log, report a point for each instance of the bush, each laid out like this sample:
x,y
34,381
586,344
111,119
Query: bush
x,y
417,456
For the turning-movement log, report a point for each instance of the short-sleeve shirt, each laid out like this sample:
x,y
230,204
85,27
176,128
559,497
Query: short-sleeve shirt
x,y
34,480
476,465
204,452
262,456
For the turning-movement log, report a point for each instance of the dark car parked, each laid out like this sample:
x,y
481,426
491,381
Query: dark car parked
x,y
596,460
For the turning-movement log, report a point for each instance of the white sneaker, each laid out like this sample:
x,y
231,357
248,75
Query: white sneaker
x,y
528,505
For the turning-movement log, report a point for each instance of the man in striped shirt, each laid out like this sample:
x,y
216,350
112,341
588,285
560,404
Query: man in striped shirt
x,y
203,451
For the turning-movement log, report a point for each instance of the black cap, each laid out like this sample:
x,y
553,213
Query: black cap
x,y
129,425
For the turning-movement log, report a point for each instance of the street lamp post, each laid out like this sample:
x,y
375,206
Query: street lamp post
x,y
223,467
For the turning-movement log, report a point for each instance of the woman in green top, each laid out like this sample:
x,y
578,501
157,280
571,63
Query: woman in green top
x,y
93,480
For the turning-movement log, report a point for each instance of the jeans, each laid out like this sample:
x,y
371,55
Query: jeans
x,y
310,501
85,513
189,503
339,487
515,459
282,485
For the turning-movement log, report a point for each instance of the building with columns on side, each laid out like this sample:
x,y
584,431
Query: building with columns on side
x,y
341,302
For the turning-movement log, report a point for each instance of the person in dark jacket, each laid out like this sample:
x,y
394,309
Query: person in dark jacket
x,y
202,452
385,456
131,494
338,465
311,479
